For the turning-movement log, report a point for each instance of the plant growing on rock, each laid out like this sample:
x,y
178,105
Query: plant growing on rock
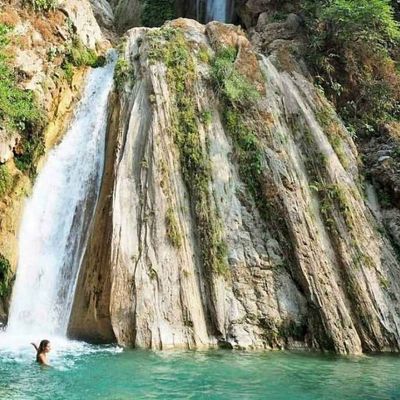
x,y
173,231
239,97
5,271
19,111
123,72
5,181
42,5
78,55
353,49
168,45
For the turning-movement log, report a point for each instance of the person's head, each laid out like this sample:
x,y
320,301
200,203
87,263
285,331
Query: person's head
x,y
44,346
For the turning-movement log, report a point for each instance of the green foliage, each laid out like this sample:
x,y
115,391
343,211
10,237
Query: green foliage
x,y
353,20
42,5
169,46
232,85
239,96
68,69
333,197
5,272
247,148
78,55
5,181
32,149
19,111
206,117
204,54
353,51
156,12
123,72
173,231
328,121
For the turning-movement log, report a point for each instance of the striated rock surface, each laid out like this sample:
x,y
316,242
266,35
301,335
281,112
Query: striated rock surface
x,y
229,221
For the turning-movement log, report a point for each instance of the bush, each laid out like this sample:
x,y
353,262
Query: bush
x,y
353,20
353,51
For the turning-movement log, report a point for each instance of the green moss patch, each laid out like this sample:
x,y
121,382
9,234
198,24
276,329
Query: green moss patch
x,y
169,46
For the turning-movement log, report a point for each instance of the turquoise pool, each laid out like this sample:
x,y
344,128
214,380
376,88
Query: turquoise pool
x,y
89,372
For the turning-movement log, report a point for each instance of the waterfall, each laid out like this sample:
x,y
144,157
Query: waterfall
x,y
216,10
57,217
213,10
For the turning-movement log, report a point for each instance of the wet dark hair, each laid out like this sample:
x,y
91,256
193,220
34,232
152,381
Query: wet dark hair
x,y
42,346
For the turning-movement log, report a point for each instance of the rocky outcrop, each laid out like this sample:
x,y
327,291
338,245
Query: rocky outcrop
x,y
227,222
103,13
127,14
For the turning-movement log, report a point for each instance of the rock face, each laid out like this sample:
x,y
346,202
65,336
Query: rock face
x,y
226,225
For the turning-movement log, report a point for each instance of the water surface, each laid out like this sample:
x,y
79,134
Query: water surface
x,y
92,372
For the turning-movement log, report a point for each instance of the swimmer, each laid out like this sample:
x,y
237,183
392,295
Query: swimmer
x,y
41,352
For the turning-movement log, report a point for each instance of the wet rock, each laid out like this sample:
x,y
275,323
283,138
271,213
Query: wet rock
x,y
307,271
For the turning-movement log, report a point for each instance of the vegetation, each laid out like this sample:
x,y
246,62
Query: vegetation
x,y
5,272
169,45
333,130
236,89
19,111
354,51
123,72
78,55
173,231
42,5
239,96
333,196
5,181
156,12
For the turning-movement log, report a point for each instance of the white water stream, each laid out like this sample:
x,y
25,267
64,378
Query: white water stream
x,y
212,10
57,217
217,10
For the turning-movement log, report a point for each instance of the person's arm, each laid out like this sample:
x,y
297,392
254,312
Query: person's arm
x,y
43,360
34,345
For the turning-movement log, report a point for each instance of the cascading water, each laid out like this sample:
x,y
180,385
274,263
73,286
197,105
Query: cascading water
x,y
58,215
213,10
217,10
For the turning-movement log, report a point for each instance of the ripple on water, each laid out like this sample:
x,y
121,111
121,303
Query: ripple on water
x,y
88,372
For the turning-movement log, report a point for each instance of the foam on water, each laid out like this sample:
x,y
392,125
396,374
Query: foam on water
x,y
54,228
18,348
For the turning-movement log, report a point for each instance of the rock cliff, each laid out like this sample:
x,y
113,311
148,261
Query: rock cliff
x,y
232,211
